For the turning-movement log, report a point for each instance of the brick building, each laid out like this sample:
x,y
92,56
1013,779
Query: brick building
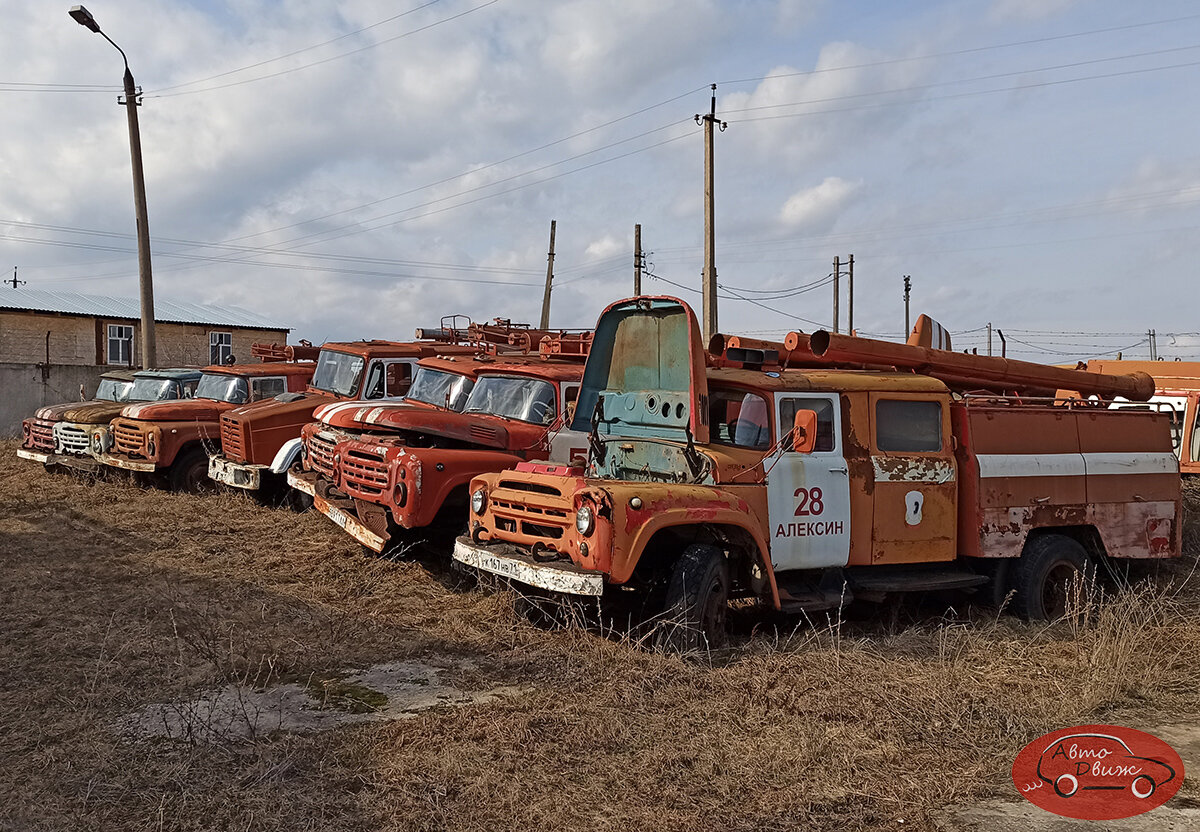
x,y
53,343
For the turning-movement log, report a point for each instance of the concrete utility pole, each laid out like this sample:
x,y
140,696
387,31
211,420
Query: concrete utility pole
x,y
907,293
637,259
145,280
709,323
837,291
549,279
850,290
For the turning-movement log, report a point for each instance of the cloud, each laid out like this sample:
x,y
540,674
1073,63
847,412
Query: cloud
x,y
817,205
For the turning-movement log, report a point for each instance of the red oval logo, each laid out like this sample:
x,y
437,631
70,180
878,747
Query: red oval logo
x,y
1098,772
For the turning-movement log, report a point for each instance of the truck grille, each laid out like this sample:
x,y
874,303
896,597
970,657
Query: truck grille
x,y
71,439
41,435
233,444
527,516
129,438
364,472
320,450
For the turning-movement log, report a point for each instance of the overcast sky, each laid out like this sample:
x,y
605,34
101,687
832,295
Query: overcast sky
x,y
355,169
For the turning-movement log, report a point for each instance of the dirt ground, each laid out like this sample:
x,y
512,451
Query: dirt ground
x,y
154,649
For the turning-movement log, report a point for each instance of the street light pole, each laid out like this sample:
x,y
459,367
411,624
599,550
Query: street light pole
x,y
145,279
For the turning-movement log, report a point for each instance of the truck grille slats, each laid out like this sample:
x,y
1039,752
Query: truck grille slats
x,y
71,439
128,438
41,435
233,445
321,449
525,520
364,473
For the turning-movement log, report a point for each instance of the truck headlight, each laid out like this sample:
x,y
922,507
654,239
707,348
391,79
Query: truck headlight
x,y
478,500
150,446
585,520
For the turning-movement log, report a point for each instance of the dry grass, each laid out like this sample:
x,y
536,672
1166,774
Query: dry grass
x,y
113,597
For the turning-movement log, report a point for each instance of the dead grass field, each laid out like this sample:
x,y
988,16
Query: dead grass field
x,y
113,597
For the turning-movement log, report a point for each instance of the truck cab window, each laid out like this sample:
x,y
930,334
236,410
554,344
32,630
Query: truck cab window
x,y
739,418
908,426
399,377
266,388
824,410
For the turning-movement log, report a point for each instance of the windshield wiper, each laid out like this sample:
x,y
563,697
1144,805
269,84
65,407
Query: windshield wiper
x,y
597,447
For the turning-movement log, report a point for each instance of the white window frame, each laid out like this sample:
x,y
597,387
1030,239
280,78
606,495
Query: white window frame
x,y
123,338
222,342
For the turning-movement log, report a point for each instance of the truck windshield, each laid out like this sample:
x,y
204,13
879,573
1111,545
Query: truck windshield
x,y
338,372
222,388
434,386
113,390
513,397
153,390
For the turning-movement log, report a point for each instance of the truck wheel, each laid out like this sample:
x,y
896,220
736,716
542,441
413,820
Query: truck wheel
x,y
189,474
1045,572
697,601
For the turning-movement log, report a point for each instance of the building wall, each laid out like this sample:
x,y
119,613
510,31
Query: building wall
x,y
26,387
80,340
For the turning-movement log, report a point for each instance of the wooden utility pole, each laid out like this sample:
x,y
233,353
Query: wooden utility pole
x,y
907,293
850,289
709,322
989,331
837,291
637,259
549,279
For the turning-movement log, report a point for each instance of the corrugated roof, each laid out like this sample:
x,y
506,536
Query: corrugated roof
x,y
104,306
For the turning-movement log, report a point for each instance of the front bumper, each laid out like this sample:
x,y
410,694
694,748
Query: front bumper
x,y
145,466
35,456
520,566
306,482
237,474
79,462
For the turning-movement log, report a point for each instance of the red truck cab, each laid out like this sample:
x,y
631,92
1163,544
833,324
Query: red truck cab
x,y
175,438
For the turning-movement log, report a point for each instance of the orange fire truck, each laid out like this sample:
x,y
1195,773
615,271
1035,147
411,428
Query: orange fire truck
x,y
815,471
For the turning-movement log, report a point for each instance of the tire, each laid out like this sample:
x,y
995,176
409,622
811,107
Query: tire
x,y
1044,574
1142,793
1066,785
189,473
697,601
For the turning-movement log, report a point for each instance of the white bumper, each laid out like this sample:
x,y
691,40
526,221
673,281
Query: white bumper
x,y
36,456
551,576
236,474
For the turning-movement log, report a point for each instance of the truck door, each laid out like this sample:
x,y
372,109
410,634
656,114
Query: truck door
x,y
915,490
808,495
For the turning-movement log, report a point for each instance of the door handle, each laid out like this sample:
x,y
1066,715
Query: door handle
x,y
837,470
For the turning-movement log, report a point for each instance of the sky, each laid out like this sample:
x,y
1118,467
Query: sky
x,y
360,168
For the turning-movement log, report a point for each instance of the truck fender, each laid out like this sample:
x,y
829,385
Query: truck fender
x,y
287,456
725,517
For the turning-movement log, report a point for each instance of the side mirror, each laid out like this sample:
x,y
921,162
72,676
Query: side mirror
x,y
804,432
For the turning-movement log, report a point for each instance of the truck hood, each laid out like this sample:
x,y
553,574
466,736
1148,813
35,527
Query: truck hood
x,y
292,409
475,428
355,414
179,410
54,412
93,413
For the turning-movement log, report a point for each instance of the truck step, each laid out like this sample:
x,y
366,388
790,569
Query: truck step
x,y
911,579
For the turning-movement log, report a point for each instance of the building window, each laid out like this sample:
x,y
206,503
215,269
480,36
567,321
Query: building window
x,y
220,347
120,344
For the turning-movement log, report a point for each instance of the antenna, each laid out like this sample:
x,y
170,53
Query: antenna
x,y
15,283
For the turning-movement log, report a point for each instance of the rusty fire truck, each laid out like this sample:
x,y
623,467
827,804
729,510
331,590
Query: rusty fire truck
x,y
386,473
261,441
37,441
818,471
174,439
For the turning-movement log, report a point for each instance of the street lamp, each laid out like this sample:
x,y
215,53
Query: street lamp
x,y
84,18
